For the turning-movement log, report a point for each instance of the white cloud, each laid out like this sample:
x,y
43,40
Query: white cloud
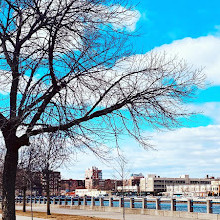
x,y
210,109
193,151
200,52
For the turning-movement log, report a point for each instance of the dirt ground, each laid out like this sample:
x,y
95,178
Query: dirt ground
x,y
58,216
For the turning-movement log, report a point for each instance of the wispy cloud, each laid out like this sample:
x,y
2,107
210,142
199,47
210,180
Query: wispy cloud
x,y
210,109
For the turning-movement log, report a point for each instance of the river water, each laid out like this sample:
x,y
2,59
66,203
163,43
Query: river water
x,y
150,205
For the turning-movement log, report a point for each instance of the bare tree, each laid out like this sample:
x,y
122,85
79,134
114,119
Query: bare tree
x,y
52,153
27,169
121,169
22,184
66,66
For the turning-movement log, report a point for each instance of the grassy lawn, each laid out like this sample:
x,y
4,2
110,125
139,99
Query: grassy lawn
x,y
58,216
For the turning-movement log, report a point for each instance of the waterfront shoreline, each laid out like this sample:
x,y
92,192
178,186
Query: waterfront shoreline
x,y
131,214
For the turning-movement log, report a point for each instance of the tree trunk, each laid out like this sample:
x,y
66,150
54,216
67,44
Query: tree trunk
x,y
9,178
48,191
123,200
24,199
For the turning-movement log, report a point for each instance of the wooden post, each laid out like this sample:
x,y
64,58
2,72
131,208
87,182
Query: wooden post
x,y
144,203
44,201
65,201
54,201
190,205
72,201
92,201
157,204
78,201
209,206
173,204
84,200
35,200
101,202
131,203
121,202
110,202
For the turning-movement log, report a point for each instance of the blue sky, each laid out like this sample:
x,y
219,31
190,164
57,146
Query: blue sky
x,y
162,22
191,30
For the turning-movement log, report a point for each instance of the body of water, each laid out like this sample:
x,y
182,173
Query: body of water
x,y
137,204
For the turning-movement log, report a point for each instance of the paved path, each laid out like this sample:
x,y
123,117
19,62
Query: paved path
x,y
18,217
112,215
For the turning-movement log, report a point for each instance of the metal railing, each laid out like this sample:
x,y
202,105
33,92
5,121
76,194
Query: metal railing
x,y
205,206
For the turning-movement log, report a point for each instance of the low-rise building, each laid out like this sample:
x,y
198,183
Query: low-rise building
x,y
128,188
215,184
202,190
71,185
90,192
132,184
37,185
154,184
134,180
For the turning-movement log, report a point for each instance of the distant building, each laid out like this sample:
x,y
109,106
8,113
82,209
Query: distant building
x,y
153,184
38,183
55,180
132,184
23,182
93,178
202,190
198,189
215,184
71,185
109,184
130,189
118,184
135,179
90,192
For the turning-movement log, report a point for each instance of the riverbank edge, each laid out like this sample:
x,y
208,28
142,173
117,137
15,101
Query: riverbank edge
x,y
151,212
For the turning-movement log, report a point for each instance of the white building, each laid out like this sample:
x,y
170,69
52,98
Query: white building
x,y
215,187
195,189
154,184
90,192
189,190
128,188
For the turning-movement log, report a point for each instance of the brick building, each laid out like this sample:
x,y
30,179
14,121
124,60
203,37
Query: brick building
x,y
38,183
71,185
55,183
